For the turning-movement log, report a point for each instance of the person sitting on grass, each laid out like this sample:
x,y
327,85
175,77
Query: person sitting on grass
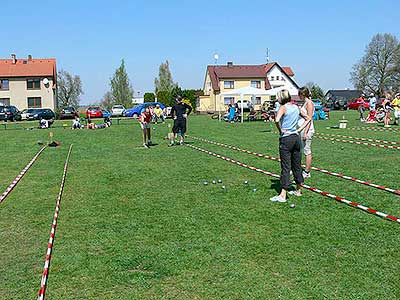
x,y
145,123
158,114
76,124
90,124
44,124
289,144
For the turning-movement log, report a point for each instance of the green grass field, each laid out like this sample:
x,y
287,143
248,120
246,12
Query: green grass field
x,y
140,224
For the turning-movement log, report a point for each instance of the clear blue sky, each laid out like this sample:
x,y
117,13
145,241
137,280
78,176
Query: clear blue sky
x,y
320,40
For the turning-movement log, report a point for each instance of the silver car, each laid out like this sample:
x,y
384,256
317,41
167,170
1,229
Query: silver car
x,y
118,111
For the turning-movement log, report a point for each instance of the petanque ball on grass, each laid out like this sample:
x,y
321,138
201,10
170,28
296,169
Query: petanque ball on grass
x,y
223,187
292,205
219,180
254,190
333,142
214,182
205,182
246,182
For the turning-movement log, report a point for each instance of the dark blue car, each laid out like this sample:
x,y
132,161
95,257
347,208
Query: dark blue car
x,y
137,110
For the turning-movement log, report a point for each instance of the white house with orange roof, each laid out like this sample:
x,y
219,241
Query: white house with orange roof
x,y
28,83
220,79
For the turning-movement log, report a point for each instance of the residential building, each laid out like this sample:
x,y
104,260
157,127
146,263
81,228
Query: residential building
x,y
28,82
223,78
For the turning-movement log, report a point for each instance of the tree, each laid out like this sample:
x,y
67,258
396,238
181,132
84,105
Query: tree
x,y
69,89
149,97
121,88
192,96
108,100
379,69
315,90
164,81
164,97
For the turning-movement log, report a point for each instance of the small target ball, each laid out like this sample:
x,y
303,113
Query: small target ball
x,y
205,182
246,182
333,142
254,190
223,187
292,205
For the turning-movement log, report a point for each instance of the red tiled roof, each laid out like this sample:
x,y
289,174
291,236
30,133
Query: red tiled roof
x,y
243,71
25,68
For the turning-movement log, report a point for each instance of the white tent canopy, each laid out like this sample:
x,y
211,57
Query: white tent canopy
x,y
274,91
245,91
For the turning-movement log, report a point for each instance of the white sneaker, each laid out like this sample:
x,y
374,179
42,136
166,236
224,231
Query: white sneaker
x,y
278,199
295,193
145,145
181,143
306,174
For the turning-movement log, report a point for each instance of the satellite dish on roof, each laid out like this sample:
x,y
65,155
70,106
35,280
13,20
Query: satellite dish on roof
x,y
216,56
45,81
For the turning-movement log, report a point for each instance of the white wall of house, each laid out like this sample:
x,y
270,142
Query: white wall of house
x,y
19,94
277,78
138,100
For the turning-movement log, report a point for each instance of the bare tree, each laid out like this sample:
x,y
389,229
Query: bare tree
x,y
379,68
108,100
69,89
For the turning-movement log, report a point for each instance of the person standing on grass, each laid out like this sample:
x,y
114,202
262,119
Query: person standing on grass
x,y
372,102
179,113
289,144
308,132
361,102
396,105
145,123
387,108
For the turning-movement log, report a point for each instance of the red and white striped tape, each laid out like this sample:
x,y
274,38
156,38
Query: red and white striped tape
x,y
18,178
310,188
358,138
359,143
367,183
46,268
374,129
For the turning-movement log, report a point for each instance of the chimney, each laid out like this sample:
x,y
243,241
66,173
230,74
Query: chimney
x,y
29,57
229,63
14,59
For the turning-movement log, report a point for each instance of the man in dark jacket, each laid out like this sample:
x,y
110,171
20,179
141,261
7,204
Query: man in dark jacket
x,y
179,113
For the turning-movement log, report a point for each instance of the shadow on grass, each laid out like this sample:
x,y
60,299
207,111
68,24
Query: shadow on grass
x,y
276,185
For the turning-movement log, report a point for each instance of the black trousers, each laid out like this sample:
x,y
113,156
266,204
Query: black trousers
x,y
290,154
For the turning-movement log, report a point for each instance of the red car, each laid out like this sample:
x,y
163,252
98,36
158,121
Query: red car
x,y
356,103
94,112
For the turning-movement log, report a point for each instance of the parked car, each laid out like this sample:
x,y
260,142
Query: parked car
x,y
247,105
8,113
94,112
68,113
24,114
317,104
356,103
106,113
118,110
137,110
42,113
339,104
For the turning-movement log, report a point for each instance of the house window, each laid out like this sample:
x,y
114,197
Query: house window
x,y
229,100
257,100
230,84
4,84
34,102
256,84
4,101
272,78
33,84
